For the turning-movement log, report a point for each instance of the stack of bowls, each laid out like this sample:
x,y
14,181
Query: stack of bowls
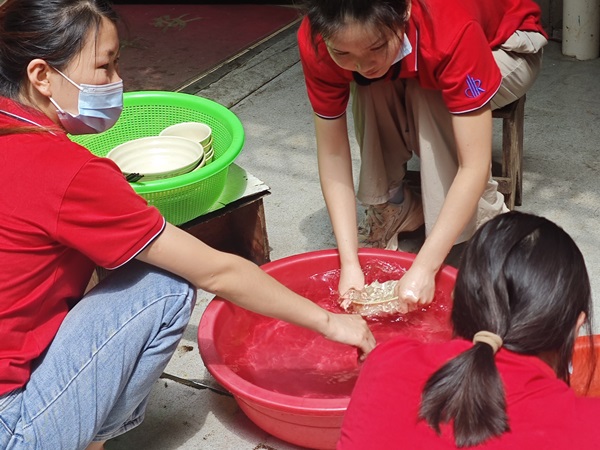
x,y
198,132
157,157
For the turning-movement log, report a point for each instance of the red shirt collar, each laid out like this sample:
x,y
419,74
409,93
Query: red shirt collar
x,y
19,114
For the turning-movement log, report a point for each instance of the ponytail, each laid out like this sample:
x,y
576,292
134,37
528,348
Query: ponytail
x,y
468,392
523,277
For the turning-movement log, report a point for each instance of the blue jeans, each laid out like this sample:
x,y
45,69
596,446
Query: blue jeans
x,y
94,380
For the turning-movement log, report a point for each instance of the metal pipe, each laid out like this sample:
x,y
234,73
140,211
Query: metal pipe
x,y
581,29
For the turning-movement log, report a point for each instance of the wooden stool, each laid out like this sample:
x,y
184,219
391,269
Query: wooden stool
x,y
510,178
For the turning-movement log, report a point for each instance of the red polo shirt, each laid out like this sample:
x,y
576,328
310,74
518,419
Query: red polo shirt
x,y
62,212
451,41
543,412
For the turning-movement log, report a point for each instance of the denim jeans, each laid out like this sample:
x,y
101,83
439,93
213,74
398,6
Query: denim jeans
x,y
94,380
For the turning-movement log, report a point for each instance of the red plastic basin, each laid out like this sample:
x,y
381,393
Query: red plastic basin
x,y
585,367
292,391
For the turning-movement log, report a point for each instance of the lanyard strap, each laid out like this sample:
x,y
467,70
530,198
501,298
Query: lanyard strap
x,y
24,119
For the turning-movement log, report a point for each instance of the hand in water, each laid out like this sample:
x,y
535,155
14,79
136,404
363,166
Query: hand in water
x,y
351,278
416,288
351,329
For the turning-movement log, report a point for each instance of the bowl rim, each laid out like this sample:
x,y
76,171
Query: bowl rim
x,y
228,119
169,129
178,171
249,392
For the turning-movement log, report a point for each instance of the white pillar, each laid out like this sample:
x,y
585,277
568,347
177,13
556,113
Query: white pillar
x,y
581,29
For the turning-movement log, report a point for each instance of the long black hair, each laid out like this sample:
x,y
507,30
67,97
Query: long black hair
x,y
523,278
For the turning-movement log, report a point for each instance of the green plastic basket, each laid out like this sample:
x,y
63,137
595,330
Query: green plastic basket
x,y
146,113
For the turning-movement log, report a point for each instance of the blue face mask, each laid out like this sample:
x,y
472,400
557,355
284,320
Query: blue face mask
x,y
99,107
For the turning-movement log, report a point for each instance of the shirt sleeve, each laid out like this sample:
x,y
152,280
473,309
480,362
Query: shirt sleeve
x,y
327,85
470,77
104,218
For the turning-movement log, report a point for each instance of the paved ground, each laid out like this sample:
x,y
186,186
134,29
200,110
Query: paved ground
x,y
265,89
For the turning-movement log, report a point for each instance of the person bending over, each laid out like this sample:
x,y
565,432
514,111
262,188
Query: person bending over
x,y
423,76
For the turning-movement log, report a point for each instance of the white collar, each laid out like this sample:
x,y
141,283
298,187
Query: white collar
x,y
405,49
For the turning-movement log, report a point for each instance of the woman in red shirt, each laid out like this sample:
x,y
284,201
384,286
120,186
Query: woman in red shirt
x,y
521,296
424,76
73,368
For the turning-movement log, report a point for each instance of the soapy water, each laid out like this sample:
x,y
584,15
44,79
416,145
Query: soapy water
x,y
291,360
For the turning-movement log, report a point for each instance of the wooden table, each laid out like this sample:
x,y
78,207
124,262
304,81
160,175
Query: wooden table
x,y
236,223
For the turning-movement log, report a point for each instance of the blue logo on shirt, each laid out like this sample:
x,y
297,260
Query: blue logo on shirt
x,y
474,88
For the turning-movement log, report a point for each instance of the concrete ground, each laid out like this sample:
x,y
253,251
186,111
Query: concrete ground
x,y
265,89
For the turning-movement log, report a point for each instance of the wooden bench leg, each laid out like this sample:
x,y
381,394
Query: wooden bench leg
x,y
512,153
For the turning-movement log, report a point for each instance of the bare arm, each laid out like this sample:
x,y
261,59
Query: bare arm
x,y
337,184
473,134
246,285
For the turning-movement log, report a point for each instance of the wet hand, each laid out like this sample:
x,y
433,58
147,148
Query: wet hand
x,y
351,278
350,329
416,288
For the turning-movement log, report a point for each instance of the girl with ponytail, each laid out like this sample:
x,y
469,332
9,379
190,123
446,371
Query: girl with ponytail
x,y
521,296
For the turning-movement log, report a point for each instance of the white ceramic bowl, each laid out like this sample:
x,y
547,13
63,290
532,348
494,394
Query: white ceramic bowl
x,y
208,146
157,157
196,131
209,155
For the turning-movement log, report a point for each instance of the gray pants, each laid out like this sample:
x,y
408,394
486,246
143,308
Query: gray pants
x,y
393,120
